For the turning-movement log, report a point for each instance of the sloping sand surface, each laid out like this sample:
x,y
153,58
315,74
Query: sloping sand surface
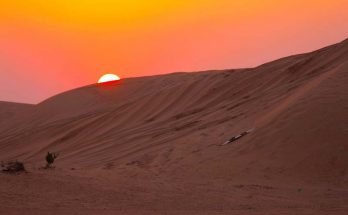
x,y
11,112
152,145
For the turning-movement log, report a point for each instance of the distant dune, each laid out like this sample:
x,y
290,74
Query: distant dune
x,y
157,140
10,112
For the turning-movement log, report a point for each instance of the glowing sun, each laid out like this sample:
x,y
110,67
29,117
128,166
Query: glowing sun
x,y
108,78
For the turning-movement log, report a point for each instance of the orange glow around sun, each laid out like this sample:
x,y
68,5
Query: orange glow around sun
x,y
108,78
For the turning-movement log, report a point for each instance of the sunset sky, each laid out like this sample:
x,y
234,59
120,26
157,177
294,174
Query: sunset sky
x,y
50,46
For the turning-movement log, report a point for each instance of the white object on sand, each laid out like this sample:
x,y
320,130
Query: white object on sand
x,y
238,136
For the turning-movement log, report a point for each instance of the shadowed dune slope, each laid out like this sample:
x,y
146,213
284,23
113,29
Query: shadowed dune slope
x,y
172,124
11,112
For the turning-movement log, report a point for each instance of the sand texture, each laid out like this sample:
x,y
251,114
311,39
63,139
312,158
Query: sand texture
x,y
152,145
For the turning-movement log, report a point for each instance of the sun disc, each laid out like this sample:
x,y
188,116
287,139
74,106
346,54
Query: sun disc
x,y
108,78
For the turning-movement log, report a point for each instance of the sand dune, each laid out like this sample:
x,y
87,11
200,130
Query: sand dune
x,y
156,139
11,112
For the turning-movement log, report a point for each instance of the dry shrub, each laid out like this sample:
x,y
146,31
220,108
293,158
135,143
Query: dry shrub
x,y
13,167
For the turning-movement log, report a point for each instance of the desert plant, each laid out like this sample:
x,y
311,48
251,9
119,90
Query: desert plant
x,y
50,157
13,167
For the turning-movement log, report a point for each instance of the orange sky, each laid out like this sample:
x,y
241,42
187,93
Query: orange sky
x,y
51,46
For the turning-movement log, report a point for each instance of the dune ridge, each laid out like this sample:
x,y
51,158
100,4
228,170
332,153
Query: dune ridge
x,y
171,127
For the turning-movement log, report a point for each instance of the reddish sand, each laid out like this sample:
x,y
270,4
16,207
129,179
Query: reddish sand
x,y
151,145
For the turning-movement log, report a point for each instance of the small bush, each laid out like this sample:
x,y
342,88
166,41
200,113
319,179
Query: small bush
x,y
13,167
50,157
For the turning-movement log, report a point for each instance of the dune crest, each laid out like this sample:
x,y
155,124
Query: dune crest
x,y
171,127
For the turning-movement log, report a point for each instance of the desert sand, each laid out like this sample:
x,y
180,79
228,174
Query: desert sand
x,y
152,145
